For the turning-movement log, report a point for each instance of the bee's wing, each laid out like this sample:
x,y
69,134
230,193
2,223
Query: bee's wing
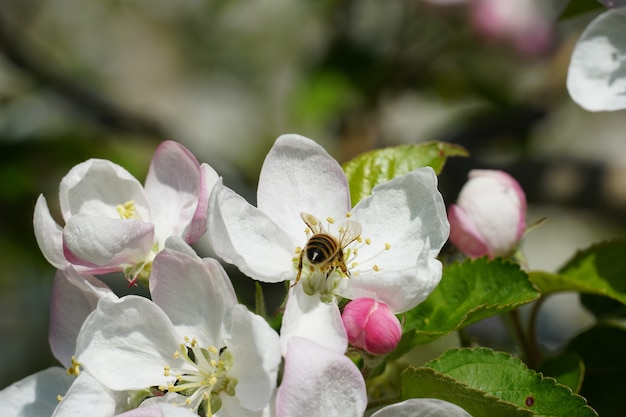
x,y
313,222
349,232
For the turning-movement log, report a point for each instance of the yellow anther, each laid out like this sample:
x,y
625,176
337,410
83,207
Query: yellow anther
x,y
194,342
127,210
176,354
354,264
359,239
376,268
213,350
330,220
170,386
186,339
59,398
75,368
298,250
341,230
166,370
387,246
213,363
368,241
188,401
348,214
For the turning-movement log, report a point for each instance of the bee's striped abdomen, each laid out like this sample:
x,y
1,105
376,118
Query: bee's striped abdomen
x,y
321,248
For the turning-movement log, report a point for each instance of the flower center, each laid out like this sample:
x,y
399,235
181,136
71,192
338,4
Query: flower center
x,y
128,210
207,381
331,255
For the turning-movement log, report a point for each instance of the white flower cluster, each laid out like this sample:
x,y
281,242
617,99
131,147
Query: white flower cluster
x,y
191,349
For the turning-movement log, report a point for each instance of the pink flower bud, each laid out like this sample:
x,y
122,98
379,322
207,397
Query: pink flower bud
x,y
371,326
490,215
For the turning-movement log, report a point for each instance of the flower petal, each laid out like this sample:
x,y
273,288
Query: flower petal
x,y
231,407
175,186
195,294
73,298
464,234
96,187
36,394
595,78
243,235
197,226
306,316
319,382
298,175
106,244
49,234
255,347
83,394
407,271
125,344
422,407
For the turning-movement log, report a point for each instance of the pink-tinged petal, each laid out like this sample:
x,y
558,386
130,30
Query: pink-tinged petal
x,y
298,175
97,187
255,347
125,344
319,382
495,205
106,244
197,227
49,234
173,186
306,316
422,407
83,394
371,326
36,394
464,235
195,294
243,235
73,298
405,223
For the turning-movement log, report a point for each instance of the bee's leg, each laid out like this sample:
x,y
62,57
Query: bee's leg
x,y
299,269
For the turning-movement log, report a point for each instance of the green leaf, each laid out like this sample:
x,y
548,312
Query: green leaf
x,y
602,349
568,369
578,7
380,165
428,383
602,307
468,292
599,269
507,377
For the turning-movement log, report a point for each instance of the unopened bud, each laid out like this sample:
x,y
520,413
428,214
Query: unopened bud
x,y
371,326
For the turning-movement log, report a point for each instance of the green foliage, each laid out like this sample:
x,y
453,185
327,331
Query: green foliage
x,y
375,167
497,375
568,369
468,292
599,269
602,350
577,7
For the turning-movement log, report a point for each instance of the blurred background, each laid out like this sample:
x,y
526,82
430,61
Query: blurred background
x,y
113,78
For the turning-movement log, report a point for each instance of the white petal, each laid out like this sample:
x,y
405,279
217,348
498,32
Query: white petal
x,y
104,243
169,405
243,235
231,407
255,347
596,79
96,187
83,394
173,189
197,226
409,214
298,175
319,382
49,234
422,407
306,316
194,294
125,344
73,298
35,395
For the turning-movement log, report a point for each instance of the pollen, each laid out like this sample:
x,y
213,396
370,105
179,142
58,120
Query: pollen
x,y
128,210
298,250
166,370
387,246
75,368
330,220
376,268
368,241
348,215
59,398
176,355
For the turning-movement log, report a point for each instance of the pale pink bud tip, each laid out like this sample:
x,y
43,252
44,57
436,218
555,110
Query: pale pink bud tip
x,y
490,215
371,326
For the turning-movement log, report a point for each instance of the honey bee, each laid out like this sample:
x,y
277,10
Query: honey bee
x,y
325,250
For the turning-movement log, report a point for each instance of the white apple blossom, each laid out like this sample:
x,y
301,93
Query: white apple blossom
x,y
112,223
596,77
397,234
193,341
422,407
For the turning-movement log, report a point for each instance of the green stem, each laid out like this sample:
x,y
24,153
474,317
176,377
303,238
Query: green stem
x,y
532,330
525,345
